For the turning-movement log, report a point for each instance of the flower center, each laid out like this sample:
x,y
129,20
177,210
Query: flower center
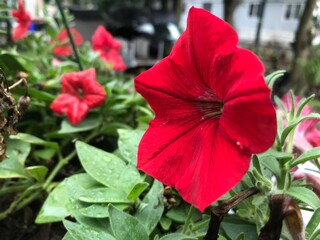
x,y
212,110
211,106
80,93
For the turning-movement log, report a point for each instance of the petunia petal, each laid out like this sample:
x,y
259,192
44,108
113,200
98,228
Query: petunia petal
x,y
20,31
250,121
195,161
62,103
103,40
167,80
77,112
62,51
206,38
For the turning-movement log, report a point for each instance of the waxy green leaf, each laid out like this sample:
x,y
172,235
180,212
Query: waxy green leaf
x,y
104,195
54,208
81,232
125,226
306,156
128,144
107,168
305,195
151,208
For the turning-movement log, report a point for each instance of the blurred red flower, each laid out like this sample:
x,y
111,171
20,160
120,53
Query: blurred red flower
x,y
63,46
212,111
23,19
108,47
306,137
80,93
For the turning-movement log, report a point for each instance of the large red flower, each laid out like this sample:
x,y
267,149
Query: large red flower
x,y
80,93
108,47
213,110
23,19
63,46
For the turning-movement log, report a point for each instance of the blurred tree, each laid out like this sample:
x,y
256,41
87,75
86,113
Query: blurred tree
x,y
301,47
229,8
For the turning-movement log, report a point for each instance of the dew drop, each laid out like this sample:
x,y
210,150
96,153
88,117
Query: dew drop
x,y
240,145
110,171
107,159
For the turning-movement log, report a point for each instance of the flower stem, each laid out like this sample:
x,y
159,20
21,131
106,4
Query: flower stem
x,y
13,189
188,220
65,23
64,161
218,213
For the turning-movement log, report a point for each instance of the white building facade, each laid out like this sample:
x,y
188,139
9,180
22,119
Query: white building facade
x,y
279,23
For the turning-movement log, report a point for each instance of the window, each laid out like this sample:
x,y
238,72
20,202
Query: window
x,y
288,11
293,11
207,6
297,12
254,10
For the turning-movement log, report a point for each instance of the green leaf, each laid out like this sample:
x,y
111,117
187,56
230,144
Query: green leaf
x,y
315,235
221,237
81,232
100,210
86,125
313,223
17,150
151,208
40,95
54,208
233,226
101,224
240,236
125,226
68,236
256,163
272,77
11,168
165,223
292,109
302,104
272,164
104,195
37,172
45,154
306,156
28,138
178,213
137,190
305,195
10,64
128,144
294,123
79,183
107,168
177,236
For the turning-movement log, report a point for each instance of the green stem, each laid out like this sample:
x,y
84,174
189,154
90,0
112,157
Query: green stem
x,y
64,161
13,189
290,142
20,203
200,225
188,220
65,23
283,178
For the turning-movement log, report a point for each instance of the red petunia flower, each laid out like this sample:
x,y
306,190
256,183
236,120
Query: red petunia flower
x,y
108,47
23,19
80,93
212,111
63,47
